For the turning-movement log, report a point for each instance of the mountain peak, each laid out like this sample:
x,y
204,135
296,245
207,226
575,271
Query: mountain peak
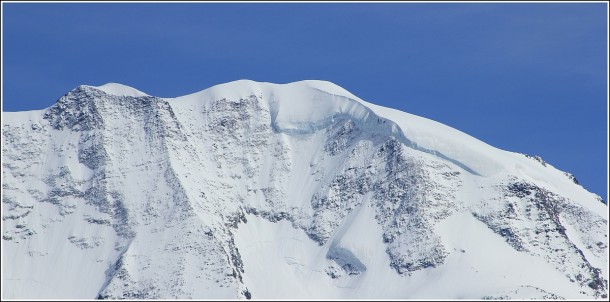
x,y
245,87
119,90
260,190
238,88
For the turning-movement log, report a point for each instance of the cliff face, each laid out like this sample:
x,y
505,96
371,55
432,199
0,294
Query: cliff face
x,y
112,193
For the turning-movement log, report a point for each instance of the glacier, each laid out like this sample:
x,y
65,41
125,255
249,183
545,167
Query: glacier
x,y
253,190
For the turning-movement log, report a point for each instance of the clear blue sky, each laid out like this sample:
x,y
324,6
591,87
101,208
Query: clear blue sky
x,y
523,77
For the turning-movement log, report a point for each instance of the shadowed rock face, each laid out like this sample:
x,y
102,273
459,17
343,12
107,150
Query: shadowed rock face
x,y
148,193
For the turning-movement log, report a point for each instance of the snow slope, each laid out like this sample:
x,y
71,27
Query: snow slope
x,y
300,190
119,90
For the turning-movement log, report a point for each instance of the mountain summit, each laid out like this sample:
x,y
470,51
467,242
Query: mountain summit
x,y
300,190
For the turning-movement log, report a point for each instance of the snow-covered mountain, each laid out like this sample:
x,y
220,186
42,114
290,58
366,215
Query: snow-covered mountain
x,y
301,190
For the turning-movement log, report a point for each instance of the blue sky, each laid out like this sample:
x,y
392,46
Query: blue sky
x,y
523,77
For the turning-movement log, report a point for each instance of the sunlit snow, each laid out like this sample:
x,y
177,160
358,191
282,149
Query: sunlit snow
x,y
299,190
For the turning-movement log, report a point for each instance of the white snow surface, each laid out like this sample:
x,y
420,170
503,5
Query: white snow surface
x,y
120,90
276,191
311,104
